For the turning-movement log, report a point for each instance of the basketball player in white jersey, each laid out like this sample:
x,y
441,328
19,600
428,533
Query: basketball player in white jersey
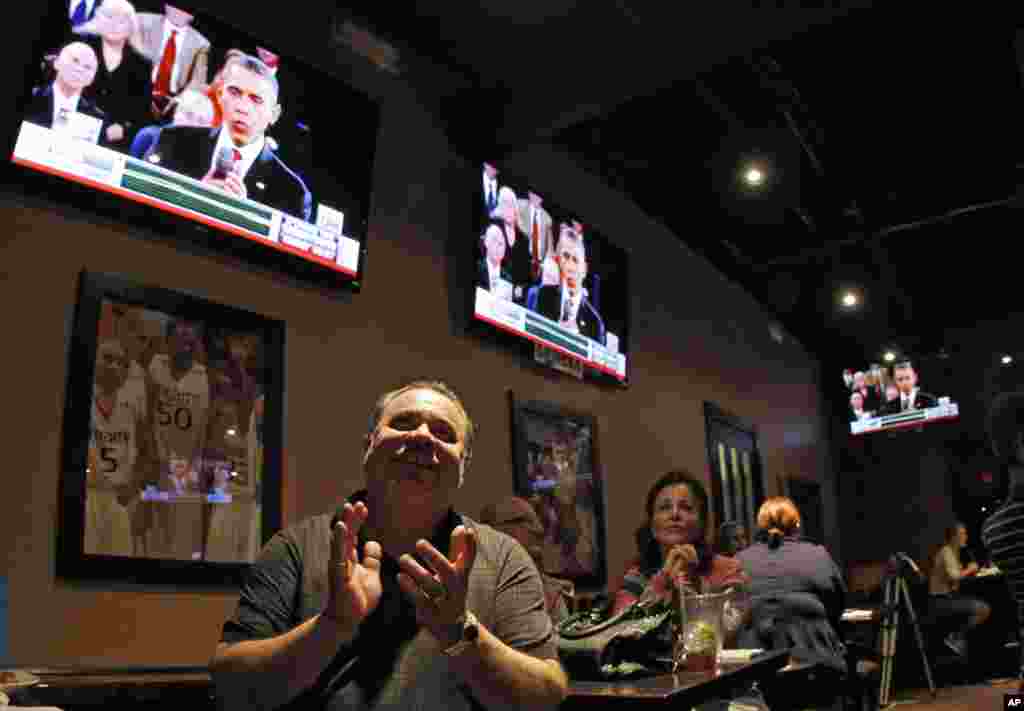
x,y
179,418
117,435
139,336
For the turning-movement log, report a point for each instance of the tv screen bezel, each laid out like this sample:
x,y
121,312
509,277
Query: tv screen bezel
x,y
206,240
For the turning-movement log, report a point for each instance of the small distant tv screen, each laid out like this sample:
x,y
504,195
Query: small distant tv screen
x,y
544,275
168,106
893,397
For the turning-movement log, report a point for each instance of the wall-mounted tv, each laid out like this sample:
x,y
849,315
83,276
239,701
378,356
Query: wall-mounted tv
x,y
166,113
892,398
544,276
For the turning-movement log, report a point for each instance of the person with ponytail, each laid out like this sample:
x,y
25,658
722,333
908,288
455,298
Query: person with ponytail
x,y
672,550
797,590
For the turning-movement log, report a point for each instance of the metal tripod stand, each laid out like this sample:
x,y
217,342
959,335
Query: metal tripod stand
x,y
897,594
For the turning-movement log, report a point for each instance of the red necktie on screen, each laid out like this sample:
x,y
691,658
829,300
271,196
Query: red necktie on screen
x,y
536,247
237,155
163,74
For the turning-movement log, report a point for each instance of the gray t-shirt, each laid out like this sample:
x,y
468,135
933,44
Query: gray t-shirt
x,y
397,664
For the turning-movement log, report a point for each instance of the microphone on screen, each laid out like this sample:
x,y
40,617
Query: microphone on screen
x,y
224,163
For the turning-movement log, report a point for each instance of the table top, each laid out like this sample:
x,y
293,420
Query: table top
x,y
686,688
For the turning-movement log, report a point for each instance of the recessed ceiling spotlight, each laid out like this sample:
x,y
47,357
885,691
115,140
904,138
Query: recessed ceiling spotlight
x,y
849,299
889,356
753,176
1007,359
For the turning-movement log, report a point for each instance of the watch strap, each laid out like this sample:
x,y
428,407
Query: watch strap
x,y
470,633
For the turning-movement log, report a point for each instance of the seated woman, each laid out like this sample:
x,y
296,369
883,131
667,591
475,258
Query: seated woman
x,y
672,548
673,553
797,590
956,614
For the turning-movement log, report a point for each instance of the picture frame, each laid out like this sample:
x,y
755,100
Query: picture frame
x,y
171,456
556,466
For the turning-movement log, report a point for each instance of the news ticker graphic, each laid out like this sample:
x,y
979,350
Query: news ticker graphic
x,y
944,411
69,157
519,320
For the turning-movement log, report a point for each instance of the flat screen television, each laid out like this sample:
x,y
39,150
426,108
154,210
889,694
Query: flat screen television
x,y
881,398
170,115
545,278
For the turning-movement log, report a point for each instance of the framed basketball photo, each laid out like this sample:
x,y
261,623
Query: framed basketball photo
x,y
556,466
172,436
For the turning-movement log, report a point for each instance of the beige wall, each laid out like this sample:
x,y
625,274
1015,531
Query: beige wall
x,y
695,337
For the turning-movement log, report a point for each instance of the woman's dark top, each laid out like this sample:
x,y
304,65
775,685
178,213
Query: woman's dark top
x,y
797,596
124,94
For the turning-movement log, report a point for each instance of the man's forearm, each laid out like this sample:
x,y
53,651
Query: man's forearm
x,y
501,677
265,674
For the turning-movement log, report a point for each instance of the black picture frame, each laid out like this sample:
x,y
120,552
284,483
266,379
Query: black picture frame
x,y
161,492
574,547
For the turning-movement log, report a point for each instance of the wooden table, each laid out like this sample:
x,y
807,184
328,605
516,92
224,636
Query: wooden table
x,y
683,690
126,687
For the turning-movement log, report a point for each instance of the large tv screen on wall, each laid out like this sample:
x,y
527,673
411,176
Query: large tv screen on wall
x,y
544,275
168,107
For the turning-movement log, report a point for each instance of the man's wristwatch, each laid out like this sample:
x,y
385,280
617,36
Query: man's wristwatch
x,y
470,633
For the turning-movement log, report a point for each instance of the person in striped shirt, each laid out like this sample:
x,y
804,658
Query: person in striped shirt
x,y
1003,531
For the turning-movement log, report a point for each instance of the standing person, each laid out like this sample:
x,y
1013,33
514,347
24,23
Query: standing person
x,y
122,86
517,252
911,397
180,410
117,437
398,601
180,55
1003,531
951,610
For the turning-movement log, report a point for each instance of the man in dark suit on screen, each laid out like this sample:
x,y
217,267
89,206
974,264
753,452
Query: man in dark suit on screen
x,y
53,106
238,157
566,303
911,398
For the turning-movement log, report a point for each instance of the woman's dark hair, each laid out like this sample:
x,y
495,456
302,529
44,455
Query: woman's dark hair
x,y
649,549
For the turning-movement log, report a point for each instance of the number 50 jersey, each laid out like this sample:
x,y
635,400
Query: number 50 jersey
x,y
179,409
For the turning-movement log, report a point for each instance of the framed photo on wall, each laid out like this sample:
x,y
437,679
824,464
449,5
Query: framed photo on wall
x,y
557,469
172,436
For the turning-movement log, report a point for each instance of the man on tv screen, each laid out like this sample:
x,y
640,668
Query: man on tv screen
x,y
238,157
491,275
911,397
567,303
54,106
179,54
535,223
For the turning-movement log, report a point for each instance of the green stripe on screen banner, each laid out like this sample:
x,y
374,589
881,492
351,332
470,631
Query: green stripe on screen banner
x,y
549,326
140,168
179,199
558,339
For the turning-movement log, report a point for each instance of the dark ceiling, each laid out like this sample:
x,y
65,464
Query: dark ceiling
x,y
889,137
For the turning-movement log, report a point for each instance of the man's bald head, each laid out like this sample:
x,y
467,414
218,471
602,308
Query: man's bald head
x,y
76,67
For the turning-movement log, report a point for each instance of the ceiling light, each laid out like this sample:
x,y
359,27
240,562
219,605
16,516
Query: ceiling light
x,y
754,176
1007,359
849,299
232,432
889,356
